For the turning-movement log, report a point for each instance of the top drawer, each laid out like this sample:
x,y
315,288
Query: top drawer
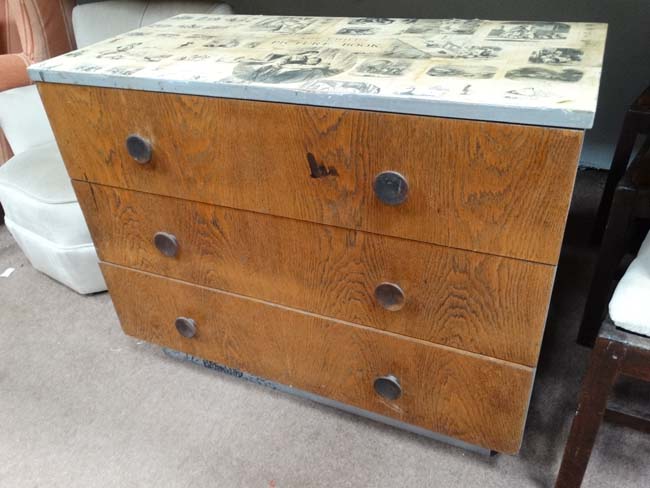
x,y
496,188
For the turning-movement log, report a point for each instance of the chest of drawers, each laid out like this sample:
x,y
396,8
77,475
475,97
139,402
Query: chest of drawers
x,y
383,249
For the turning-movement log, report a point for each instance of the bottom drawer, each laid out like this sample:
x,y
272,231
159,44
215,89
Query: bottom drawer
x,y
476,399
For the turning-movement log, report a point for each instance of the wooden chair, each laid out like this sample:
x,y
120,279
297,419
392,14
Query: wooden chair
x,y
635,124
631,201
617,352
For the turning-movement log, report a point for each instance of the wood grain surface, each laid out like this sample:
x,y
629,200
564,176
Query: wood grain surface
x,y
475,399
496,188
486,304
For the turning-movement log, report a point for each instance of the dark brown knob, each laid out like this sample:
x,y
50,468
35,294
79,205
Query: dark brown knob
x,y
388,387
166,243
390,296
185,327
139,148
391,188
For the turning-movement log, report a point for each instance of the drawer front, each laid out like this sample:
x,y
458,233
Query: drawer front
x,y
479,400
476,302
496,188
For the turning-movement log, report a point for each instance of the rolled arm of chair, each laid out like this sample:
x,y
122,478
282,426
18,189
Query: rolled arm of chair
x,y
13,71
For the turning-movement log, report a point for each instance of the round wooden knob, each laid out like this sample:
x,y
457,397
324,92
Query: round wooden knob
x,y
166,243
139,148
391,188
185,327
388,387
390,296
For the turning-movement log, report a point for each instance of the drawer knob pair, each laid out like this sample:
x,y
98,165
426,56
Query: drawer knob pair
x,y
139,148
185,327
391,188
388,387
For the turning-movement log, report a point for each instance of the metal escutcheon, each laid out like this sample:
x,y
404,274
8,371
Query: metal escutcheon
x,y
388,387
391,188
166,243
139,148
185,327
390,296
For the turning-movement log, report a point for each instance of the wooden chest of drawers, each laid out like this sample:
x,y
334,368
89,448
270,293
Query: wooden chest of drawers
x,y
398,263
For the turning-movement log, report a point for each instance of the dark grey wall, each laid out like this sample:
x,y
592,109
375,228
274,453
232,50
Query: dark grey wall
x,y
627,58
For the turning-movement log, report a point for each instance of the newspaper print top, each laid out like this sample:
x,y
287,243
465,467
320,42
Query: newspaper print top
x,y
545,73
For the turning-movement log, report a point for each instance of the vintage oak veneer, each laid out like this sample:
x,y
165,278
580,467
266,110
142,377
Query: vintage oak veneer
x,y
367,211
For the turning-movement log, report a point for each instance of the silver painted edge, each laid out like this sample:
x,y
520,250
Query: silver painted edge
x,y
570,119
327,401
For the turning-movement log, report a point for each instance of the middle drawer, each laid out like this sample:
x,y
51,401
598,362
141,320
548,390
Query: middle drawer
x,y
486,304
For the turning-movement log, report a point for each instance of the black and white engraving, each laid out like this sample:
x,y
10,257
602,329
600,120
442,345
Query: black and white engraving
x,y
124,70
356,31
295,67
461,51
88,68
119,51
284,25
530,31
371,20
473,72
193,58
444,26
558,55
402,49
156,57
538,73
224,43
383,67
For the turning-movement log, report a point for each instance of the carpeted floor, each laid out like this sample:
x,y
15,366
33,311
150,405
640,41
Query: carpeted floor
x,y
82,405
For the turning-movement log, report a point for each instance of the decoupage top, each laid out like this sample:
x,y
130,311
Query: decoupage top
x,y
542,73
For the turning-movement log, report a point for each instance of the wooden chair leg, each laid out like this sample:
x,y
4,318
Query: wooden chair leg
x,y
604,368
609,258
622,154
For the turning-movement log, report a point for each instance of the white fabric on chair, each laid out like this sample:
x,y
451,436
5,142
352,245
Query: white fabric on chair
x,y
36,193
23,119
629,308
42,213
94,22
75,267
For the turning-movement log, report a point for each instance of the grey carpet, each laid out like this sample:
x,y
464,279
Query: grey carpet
x,y
82,405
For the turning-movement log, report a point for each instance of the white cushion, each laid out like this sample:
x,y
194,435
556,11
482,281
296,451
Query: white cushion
x,y
75,267
94,22
36,194
23,119
630,306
